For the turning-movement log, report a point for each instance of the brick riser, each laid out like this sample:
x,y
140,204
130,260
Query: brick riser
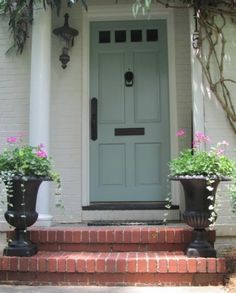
x,y
112,256
128,268
119,247
107,279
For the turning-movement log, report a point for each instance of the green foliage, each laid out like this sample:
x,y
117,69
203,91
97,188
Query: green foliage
x,y
20,16
23,161
198,162
26,161
201,163
141,5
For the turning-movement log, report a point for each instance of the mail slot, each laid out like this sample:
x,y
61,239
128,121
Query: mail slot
x,y
129,131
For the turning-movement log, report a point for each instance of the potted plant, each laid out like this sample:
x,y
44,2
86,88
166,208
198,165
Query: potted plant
x,y
22,170
200,172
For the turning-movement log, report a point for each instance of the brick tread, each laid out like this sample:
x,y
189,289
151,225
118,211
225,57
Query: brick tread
x,y
105,235
115,262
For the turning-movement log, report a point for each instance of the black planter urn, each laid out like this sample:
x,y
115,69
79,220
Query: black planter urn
x,y
21,214
197,214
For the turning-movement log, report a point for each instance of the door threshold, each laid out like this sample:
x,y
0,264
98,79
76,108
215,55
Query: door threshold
x,y
128,206
130,215
126,223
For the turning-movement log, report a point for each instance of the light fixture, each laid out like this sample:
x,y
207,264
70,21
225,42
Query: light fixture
x,y
67,34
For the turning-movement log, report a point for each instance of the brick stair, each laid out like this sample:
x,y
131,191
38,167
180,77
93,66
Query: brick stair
x,y
112,256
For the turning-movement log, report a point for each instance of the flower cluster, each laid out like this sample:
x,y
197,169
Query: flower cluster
x,y
197,162
180,133
200,138
22,160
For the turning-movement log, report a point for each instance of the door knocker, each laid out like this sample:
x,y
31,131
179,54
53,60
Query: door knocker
x,y
129,78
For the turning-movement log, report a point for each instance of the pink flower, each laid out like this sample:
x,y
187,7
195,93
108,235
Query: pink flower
x,y
41,154
221,147
195,144
220,152
201,137
225,143
41,146
12,139
180,132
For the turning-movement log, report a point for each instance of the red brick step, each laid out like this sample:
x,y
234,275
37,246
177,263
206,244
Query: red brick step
x,y
93,239
114,268
144,255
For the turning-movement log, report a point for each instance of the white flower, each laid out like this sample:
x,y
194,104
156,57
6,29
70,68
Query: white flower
x,y
210,188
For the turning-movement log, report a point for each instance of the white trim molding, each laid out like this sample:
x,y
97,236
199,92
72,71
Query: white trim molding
x,y
40,95
118,13
197,84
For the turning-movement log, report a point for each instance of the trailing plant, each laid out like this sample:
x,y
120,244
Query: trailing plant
x,y
233,192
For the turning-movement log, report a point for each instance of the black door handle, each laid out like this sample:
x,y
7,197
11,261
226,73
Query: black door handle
x,y
94,118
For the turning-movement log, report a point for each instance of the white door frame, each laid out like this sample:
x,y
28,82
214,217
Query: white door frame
x,y
118,13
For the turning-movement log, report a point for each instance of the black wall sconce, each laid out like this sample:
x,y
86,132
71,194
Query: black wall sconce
x,y
67,34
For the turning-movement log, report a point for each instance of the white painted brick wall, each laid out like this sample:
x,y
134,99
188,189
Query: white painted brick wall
x,y
14,89
66,120
183,75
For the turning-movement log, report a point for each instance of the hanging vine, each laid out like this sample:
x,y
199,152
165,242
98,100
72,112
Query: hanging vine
x,y
213,60
209,37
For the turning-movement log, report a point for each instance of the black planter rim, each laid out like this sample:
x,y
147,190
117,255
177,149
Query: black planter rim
x,y
28,178
199,177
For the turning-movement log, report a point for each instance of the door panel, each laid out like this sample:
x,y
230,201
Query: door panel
x,y
147,103
130,167
111,155
148,162
111,106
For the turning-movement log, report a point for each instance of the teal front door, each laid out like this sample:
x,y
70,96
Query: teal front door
x,y
130,144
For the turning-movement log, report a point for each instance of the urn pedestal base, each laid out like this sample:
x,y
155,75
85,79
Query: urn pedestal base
x,y
200,246
20,246
21,214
